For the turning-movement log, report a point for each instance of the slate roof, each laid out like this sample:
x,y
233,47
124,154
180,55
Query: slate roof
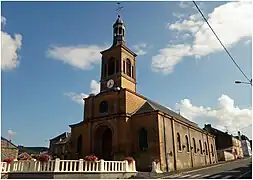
x,y
65,140
4,139
150,105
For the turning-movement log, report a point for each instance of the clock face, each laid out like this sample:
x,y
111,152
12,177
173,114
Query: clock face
x,y
110,83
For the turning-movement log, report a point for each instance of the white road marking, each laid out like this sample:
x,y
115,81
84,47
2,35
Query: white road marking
x,y
244,174
187,175
175,176
226,177
216,165
215,176
196,175
205,176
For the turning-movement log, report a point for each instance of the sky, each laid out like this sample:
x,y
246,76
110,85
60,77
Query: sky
x,y
50,60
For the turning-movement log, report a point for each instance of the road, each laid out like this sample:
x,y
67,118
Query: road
x,y
239,169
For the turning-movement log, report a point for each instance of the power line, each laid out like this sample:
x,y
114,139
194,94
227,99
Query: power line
x,y
241,128
222,43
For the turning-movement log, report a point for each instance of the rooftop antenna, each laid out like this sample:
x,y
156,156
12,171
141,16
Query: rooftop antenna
x,y
119,8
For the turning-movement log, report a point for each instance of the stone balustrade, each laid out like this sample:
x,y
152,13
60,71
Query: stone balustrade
x,y
68,166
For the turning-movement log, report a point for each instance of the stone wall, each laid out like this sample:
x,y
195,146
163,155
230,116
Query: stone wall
x,y
8,150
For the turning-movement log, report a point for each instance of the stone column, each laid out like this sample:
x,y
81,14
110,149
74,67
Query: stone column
x,y
57,165
80,167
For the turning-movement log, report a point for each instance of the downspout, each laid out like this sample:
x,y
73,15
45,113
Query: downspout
x,y
165,146
173,140
190,144
209,149
203,148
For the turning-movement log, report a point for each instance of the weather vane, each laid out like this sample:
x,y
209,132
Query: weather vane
x,y
119,8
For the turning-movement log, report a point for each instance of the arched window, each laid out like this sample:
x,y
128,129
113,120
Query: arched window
x,y
206,149
104,70
79,147
115,31
143,139
120,30
103,107
117,66
179,142
128,67
111,66
200,146
194,145
123,30
132,71
212,150
124,66
187,143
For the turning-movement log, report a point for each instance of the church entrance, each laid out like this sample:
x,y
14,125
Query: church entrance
x,y
103,143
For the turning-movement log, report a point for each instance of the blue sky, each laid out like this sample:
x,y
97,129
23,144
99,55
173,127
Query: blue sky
x,y
58,46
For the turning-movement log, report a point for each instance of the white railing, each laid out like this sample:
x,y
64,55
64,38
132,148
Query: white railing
x,y
69,166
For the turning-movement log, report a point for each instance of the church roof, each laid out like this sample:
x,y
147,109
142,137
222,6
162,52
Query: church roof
x,y
150,105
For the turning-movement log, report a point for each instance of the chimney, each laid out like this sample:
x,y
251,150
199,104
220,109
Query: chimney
x,y
239,135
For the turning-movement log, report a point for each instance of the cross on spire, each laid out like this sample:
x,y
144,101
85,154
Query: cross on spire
x,y
119,8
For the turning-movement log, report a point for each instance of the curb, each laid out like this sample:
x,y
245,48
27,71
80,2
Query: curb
x,y
168,174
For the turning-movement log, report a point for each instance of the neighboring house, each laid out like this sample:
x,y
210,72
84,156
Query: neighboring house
x,y
59,146
24,156
246,147
8,149
226,144
32,150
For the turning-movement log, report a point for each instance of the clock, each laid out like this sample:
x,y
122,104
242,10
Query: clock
x,y
110,83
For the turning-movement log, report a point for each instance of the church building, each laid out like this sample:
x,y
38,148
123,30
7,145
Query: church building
x,y
119,122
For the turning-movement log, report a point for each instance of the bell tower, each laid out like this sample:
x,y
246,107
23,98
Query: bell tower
x,y
118,68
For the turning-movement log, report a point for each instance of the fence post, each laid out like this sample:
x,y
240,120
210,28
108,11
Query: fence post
x,y
102,167
80,165
126,166
57,165
134,166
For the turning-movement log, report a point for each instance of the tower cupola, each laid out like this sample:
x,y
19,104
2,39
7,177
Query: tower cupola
x,y
119,31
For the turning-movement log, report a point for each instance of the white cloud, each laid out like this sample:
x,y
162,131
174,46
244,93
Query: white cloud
x,y
78,98
80,56
225,116
140,49
11,133
95,87
9,50
204,42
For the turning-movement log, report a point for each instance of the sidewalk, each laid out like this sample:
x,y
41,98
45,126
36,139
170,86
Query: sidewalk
x,y
149,175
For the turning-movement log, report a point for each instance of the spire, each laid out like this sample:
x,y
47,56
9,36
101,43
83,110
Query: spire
x,y
118,29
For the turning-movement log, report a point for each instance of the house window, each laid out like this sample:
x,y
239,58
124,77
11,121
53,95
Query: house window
x,y
194,145
79,147
111,66
128,67
187,143
200,146
179,142
103,107
212,150
143,139
206,149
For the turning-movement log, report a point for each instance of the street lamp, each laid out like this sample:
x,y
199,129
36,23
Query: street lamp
x,y
243,82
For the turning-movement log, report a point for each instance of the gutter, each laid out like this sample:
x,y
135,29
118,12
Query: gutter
x,y
165,147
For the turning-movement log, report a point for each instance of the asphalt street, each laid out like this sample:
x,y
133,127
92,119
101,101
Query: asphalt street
x,y
239,169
